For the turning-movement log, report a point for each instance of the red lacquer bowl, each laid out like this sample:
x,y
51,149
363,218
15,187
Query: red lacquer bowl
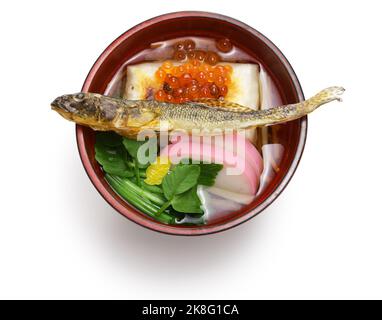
x,y
183,24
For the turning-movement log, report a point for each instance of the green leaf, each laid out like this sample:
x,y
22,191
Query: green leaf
x,y
111,156
188,202
208,173
108,154
121,172
180,179
132,146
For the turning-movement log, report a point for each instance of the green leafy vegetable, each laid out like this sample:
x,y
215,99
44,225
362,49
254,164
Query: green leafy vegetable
x,y
180,186
142,173
180,179
188,202
112,158
132,147
208,173
155,198
138,201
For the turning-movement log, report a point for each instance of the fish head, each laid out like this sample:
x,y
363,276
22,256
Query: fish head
x,y
85,107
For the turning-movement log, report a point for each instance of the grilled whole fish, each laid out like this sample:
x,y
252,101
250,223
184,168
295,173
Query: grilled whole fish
x,y
128,117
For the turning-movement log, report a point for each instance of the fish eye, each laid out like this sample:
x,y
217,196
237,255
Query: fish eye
x,y
79,97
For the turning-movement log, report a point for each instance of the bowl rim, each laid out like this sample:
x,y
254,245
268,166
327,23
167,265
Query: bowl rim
x,y
205,229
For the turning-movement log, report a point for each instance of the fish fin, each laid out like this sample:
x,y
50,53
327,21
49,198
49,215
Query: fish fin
x,y
158,125
140,119
99,128
155,126
216,103
128,132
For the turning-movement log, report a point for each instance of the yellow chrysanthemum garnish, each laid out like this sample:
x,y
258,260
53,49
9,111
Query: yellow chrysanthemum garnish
x,y
157,170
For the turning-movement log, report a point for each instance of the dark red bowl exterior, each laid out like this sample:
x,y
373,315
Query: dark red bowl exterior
x,y
205,24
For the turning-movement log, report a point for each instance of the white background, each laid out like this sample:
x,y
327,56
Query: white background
x,y
321,238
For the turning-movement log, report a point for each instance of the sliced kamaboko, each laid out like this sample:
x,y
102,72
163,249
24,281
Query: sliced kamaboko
x,y
236,175
242,167
231,145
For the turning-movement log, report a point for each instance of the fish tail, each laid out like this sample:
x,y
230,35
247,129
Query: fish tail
x,y
325,96
290,112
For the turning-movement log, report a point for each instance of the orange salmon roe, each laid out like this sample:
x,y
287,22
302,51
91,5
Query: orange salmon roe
x,y
192,80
